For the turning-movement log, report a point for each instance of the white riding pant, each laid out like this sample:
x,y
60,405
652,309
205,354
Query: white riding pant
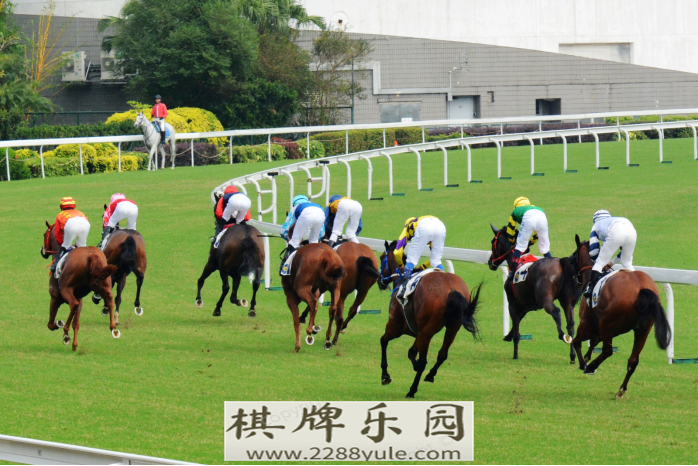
x,y
161,123
429,230
621,234
311,219
533,221
238,205
348,209
76,229
124,211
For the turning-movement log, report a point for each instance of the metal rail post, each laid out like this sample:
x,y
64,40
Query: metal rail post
x,y
670,317
370,176
384,138
231,150
346,143
598,157
627,149
308,144
419,168
191,150
7,162
80,151
390,172
119,154
499,160
695,142
41,154
423,138
346,164
290,182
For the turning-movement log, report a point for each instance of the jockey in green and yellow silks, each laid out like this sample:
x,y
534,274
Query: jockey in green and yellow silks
x,y
420,232
534,227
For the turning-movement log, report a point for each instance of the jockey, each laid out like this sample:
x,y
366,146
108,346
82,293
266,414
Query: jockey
x,y
307,216
533,223
222,205
423,231
119,209
159,113
338,211
71,225
616,233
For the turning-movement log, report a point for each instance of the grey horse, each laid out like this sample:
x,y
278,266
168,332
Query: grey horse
x,y
151,137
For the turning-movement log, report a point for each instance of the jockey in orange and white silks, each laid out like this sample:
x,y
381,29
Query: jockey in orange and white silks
x,y
228,204
119,209
338,212
420,232
615,233
71,225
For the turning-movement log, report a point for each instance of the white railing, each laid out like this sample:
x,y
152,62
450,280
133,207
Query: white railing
x,y
496,139
29,451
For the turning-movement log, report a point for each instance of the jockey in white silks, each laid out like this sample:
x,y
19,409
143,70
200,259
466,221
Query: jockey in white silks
x,y
338,212
119,209
307,217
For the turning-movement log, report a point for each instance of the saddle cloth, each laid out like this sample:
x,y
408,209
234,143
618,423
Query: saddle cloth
x,y
286,269
218,238
407,288
522,272
105,241
599,286
59,266
168,129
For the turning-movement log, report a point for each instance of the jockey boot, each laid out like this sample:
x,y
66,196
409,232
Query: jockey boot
x,y
289,251
244,222
331,244
515,257
61,253
592,283
163,138
547,255
106,232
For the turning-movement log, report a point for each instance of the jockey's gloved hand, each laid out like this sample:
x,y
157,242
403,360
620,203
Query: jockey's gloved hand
x,y
440,267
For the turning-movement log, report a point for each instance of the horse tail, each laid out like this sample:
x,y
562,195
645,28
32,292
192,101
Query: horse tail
x,y
128,256
250,256
458,305
332,270
647,304
100,270
364,265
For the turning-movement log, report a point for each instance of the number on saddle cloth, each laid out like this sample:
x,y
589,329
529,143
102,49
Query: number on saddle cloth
x,y
408,287
286,269
599,286
61,263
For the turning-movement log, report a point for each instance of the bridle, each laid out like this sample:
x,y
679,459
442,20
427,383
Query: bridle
x,y
578,275
46,238
498,259
385,279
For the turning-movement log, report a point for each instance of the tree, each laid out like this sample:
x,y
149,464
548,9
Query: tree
x,y
278,16
44,59
336,57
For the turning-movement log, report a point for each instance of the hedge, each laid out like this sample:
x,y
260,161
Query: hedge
x,y
251,154
67,131
18,170
317,150
54,166
359,140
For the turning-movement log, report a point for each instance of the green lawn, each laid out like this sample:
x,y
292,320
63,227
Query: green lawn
x,y
159,390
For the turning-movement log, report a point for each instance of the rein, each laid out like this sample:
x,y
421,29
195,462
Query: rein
x,y
501,258
384,265
46,238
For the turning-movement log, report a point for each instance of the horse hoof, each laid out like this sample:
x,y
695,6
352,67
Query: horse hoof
x,y
386,380
309,340
342,331
572,361
620,393
507,338
409,395
138,311
429,378
217,313
298,348
243,303
567,339
199,303
328,345
116,333
588,372
316,329
105,311
301,320
251,314
66,340
60,324
96,298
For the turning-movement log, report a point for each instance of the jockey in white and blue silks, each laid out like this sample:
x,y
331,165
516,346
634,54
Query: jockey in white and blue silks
x,y
339,211
307,217
615,233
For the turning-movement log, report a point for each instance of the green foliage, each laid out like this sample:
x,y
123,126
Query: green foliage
x,y
22,154
359,140
53,167
259,104
317,149
111,164
18,170
440,137
409,135
250,154
122,128
10,121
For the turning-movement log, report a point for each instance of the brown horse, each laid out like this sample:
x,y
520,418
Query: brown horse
x,y
85,270
440,300
316,268
240,252
549,279
628,301
361,267
126,250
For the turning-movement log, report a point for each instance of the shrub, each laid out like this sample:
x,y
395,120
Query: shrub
x,y
442,137
204,154
359,140
251,154
54,166
291,148
178,123
199,120
409,135
317,150
50,153
23,154
68,131
18,170
105,149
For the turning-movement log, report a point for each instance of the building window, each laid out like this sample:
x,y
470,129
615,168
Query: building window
x,y
548,106
491,96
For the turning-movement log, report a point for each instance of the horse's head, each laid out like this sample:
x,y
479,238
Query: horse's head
x,y
141,121
581,260
388,266
501,248
46,248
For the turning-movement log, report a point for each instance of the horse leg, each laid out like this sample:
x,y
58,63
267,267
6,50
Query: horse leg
x,y
121,283
450,335
224,292
412,355
639,343
392,331
209,268
53,310
255,286
305,314
162,156
338,315
139,283
292,300
515,324
606,351
361,294
593,342
569,317
307,295
554,311
234,294
76,325
423,340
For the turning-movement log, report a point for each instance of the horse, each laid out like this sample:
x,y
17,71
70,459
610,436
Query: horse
x,y
126,250
440,300
361,267
315,268
240,252
628,301
151,137
85,270
548,279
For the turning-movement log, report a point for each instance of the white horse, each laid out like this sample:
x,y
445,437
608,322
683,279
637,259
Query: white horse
x,y
151,137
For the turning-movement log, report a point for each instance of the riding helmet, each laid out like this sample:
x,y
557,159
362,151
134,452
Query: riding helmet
x,y
230,189
67,203
601,214
519,201
300,199
336,197
116,197
158,97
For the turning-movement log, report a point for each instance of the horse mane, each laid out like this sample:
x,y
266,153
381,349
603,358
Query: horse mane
x,y
568,281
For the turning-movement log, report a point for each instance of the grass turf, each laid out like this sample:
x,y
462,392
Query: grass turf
x,y
159,390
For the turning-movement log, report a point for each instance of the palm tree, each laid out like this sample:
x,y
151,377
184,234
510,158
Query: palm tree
x,y
278,16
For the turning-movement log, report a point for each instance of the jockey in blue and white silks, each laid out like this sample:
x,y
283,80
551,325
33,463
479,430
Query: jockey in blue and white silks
x,y
307,217
615,233
339,211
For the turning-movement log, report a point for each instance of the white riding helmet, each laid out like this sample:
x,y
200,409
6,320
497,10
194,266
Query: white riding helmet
x,y
601,214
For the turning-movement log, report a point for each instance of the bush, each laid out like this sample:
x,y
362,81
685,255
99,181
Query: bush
x,y
23,154
317,150
104,149
291,148
18,170
251,154
178,123
442,136
50,153
359,140
199,121
54,166
409,135
123,128
204,154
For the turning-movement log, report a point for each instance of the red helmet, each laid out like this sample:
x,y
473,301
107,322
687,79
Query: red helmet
x,y
67,203
230,189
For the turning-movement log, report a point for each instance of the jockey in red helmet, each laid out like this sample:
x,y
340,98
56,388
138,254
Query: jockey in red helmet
x,y
71,225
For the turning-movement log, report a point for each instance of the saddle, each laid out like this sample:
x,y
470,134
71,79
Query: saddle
x,y
286,269
599,286
61,263
403,293
168,133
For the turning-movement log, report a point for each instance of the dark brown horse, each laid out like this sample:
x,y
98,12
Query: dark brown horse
x,y
549,279
126,250
361,267
440,300
240,253
85,270
316,268
628,301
